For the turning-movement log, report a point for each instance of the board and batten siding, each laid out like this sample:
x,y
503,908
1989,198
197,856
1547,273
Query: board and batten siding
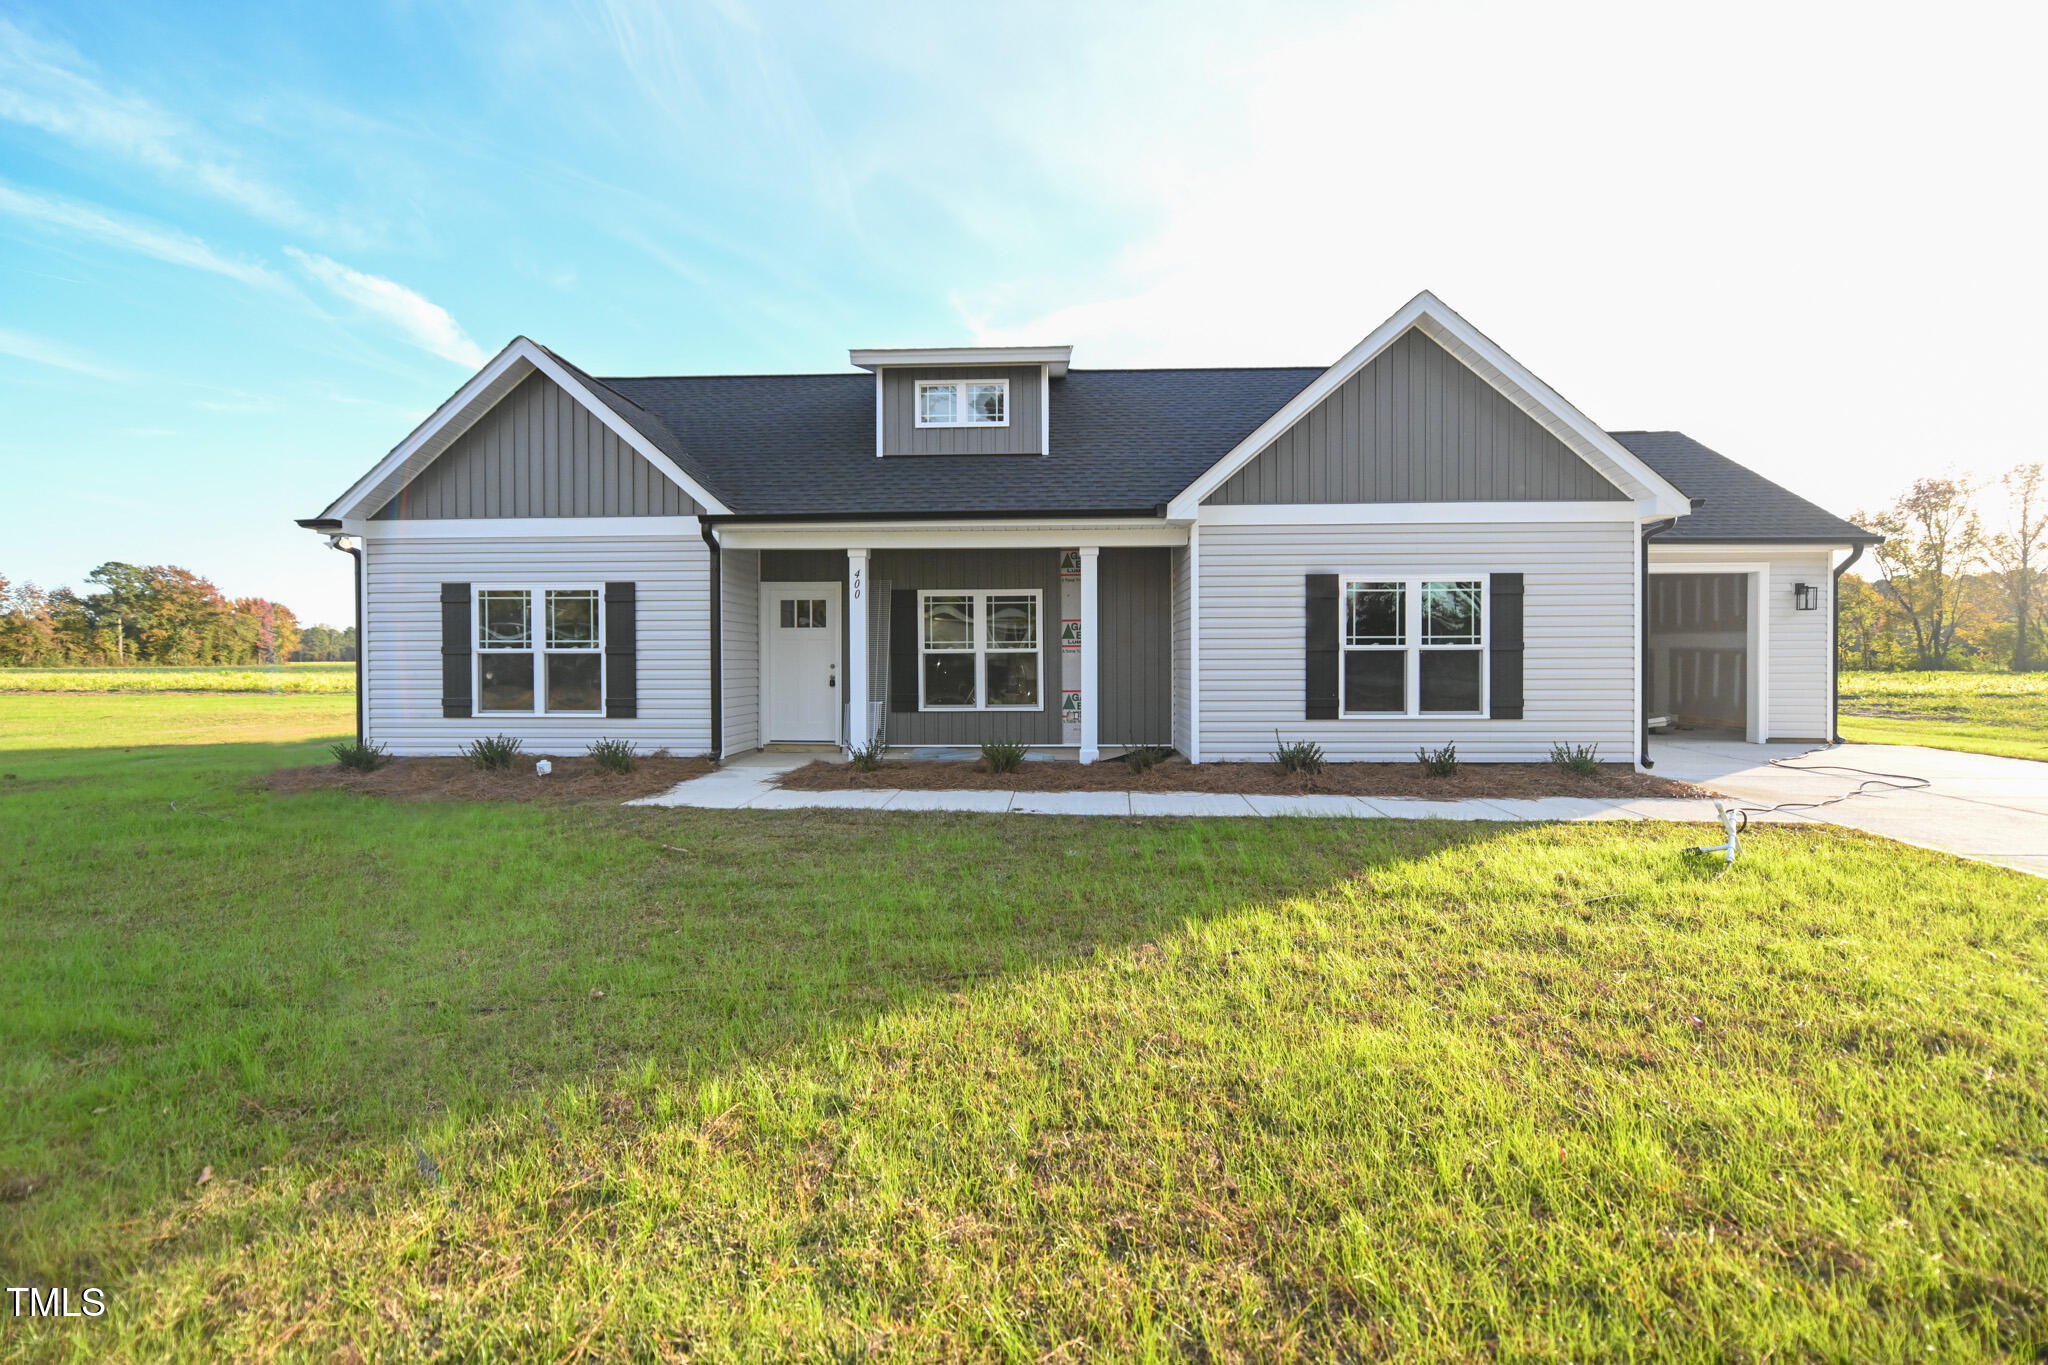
x,y
1799,665
1579,617
538,453
938,570
402,585
739,658
1415,425
901,435
1134,591
1183,648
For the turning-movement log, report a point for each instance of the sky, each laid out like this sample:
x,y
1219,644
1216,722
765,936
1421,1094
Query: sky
x,y
245,248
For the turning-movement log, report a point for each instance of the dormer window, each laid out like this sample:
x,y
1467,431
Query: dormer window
x,y
963,402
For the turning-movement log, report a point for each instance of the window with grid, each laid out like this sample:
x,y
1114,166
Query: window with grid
x,y
1414,646
540,651
963,403
979,650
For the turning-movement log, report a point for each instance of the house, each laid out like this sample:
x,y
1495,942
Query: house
x,y
1421,543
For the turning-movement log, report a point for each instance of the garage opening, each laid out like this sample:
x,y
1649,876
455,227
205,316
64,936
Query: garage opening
x,y
1699,650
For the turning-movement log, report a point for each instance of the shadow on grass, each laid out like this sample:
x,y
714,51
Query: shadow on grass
x,y
214,977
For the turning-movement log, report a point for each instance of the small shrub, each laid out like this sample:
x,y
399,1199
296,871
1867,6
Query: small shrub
x,y
1003,758
354,756
614,755
1143,758
1583,759
1438,762
1302,756
496,752
868,756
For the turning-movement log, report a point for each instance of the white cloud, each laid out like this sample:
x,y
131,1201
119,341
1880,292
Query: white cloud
x,y
425,324
47,86
43,351
132,234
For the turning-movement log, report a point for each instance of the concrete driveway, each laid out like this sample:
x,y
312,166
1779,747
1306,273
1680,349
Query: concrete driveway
x,y
1975,805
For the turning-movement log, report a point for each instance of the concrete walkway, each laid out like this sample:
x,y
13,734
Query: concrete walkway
x,y
1991,809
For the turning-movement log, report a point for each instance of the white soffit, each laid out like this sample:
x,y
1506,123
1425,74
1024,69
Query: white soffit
x,y
1054,358
1435,319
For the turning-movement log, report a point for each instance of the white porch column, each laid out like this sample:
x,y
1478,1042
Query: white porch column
x,y
1091,655
857,731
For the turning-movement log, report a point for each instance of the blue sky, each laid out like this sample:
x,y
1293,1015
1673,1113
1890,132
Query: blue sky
x,y
243,249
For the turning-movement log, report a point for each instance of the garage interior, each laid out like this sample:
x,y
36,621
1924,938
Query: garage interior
x,y
1699,651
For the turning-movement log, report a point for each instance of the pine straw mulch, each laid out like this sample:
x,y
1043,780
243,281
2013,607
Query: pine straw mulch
x,y
453,779
1511,780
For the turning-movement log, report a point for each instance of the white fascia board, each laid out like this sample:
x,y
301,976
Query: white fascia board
x,y
485,388
1740,549
1436,320
1054,358
948,535
1410,513
524,528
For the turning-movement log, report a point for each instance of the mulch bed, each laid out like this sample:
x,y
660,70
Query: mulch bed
x,y
453,779
1514,780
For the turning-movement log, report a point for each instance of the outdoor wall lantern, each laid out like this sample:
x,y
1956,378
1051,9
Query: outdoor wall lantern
x,y
1806,596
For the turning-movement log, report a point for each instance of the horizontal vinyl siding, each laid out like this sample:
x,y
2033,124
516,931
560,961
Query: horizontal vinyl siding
x,y
1415,426
739,576
1579,621
403,581
1800,667
538,453
1183,660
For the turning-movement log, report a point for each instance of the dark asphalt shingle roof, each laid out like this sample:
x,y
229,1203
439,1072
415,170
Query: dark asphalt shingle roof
x,y
1741,504
1122,441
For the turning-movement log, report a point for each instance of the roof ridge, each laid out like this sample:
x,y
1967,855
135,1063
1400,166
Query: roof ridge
x,y
856,374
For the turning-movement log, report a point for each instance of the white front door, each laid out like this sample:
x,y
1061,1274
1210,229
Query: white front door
x,y
800,686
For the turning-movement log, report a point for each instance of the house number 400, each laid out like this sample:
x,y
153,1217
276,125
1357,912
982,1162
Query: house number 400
x,y
856,584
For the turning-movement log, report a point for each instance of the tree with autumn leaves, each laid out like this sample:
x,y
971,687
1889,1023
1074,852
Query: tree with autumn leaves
x,y
156,614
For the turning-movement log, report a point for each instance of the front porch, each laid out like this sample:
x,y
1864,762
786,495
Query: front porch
x,y
941,639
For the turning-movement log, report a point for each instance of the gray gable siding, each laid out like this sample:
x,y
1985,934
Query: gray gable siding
x,y
1415,425
539,453
902,436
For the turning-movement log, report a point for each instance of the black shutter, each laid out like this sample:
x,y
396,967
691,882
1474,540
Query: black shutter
x,y
455,648
1322,652
621,647
903,651
1505,626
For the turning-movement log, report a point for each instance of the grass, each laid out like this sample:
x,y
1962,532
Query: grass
x,y
318,679
1979,713
513,1082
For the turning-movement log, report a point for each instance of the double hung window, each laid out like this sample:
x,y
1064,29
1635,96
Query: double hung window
x,y
539,651
978,651
1414,646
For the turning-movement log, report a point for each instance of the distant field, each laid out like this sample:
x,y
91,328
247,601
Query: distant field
x,y
1980,713
313,678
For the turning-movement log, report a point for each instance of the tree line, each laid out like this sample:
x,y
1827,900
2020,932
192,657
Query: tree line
x,y
155,614
1950,591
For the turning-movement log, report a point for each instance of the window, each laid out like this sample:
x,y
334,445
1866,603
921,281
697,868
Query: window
x,y
963,402
557,669
804,613
978,651
1414,646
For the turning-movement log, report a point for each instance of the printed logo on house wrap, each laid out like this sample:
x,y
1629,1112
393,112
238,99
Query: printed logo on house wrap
x,y
1070,563
1070,704
1070,634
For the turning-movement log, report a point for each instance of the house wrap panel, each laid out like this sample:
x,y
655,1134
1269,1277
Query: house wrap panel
x,y
1579,618
402,659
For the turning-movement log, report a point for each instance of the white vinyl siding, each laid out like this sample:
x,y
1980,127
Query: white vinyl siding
x,y
1579,623
402,584
739,574
1800,669
1183,657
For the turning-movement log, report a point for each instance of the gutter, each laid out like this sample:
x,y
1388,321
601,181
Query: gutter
x,y
717,617
331,526
1654,528
1835,647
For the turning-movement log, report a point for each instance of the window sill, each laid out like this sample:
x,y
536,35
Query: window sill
x,y
1417,715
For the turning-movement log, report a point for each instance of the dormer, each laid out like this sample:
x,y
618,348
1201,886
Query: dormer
x,y
963,400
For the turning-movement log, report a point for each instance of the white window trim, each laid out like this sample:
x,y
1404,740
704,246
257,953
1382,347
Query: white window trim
x,y
980,649
1412,644
917,403
537,647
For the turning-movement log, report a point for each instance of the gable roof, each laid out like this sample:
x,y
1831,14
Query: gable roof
x,y
1435,319
1741,504
1123,442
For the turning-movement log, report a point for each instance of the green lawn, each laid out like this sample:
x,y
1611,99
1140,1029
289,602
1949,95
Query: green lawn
x,y
1980,713
328,679
500,1082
